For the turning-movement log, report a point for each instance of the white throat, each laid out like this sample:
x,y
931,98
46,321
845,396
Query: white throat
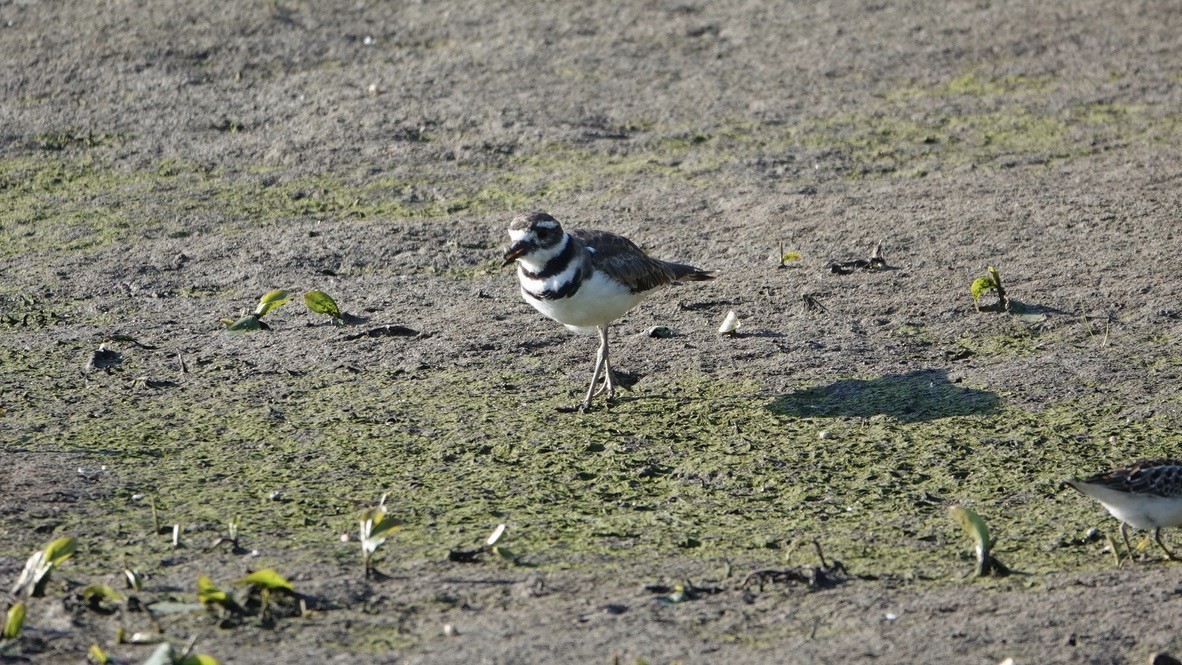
x,y
536,260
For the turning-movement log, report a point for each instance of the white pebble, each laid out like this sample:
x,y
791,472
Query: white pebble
x,y
730,324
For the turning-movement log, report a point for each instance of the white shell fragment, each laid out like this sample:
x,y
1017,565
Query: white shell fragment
x,y
496,535
730,324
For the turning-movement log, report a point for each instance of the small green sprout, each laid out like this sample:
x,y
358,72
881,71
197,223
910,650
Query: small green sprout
x,y
211,596
376,527
230,537
490,545
134,579
95,594
41,564
973,525
268,579
991,282
319,302
271,301
786,257
251,322
14,621
265,583
679,595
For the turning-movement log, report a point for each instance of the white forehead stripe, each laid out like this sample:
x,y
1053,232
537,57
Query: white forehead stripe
x,y
546,224
517,235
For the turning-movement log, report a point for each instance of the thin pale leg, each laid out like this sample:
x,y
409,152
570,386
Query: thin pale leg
x,y
600,361
609,385
1157,537
1124,533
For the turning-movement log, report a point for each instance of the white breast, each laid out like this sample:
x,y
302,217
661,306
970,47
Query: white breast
x,y
598,302
1140,511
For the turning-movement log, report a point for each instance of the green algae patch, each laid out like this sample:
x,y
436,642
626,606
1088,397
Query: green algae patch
x,y
685,466
975,85
68,201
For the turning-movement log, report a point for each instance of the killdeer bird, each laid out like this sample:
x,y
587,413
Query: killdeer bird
x,y
586,279
1144,495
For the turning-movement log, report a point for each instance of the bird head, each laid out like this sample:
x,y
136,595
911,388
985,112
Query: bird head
x,y
534,233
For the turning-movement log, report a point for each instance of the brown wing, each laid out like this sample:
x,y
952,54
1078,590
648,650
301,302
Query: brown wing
x,y
624,261
1160,477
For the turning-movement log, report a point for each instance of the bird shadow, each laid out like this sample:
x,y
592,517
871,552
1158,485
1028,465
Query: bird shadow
x,y
919,396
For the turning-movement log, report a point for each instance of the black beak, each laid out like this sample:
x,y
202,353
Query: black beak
x,y
515,251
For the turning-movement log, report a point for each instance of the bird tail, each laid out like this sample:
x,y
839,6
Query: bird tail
x,y
687,273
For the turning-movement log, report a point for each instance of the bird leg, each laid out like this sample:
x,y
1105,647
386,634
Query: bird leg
x,y
1124,533
609,384
600,363
1157,537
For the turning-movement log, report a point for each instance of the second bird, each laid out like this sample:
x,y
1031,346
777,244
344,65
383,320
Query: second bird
x,y
586,279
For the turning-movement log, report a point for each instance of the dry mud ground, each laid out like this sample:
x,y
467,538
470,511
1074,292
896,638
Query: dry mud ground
x,y
164,164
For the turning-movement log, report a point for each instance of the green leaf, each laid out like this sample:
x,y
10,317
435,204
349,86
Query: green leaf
x,y
271,301
135,580
37,569
248,323
95,593
974,526
208,592
790,256
320,302
995,275
267,579
97,655
376,526
14,622
199,659
980,286
504,553
60,550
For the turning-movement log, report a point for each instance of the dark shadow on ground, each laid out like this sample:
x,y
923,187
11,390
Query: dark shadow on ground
x,y
918,396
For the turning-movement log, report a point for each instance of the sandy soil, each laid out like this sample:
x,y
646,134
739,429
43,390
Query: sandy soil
x,y
164,164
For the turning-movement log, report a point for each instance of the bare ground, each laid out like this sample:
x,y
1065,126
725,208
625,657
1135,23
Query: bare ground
x,y
163,165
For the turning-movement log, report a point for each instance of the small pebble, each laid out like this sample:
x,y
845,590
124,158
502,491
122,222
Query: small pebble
x,y
824,435
450,630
